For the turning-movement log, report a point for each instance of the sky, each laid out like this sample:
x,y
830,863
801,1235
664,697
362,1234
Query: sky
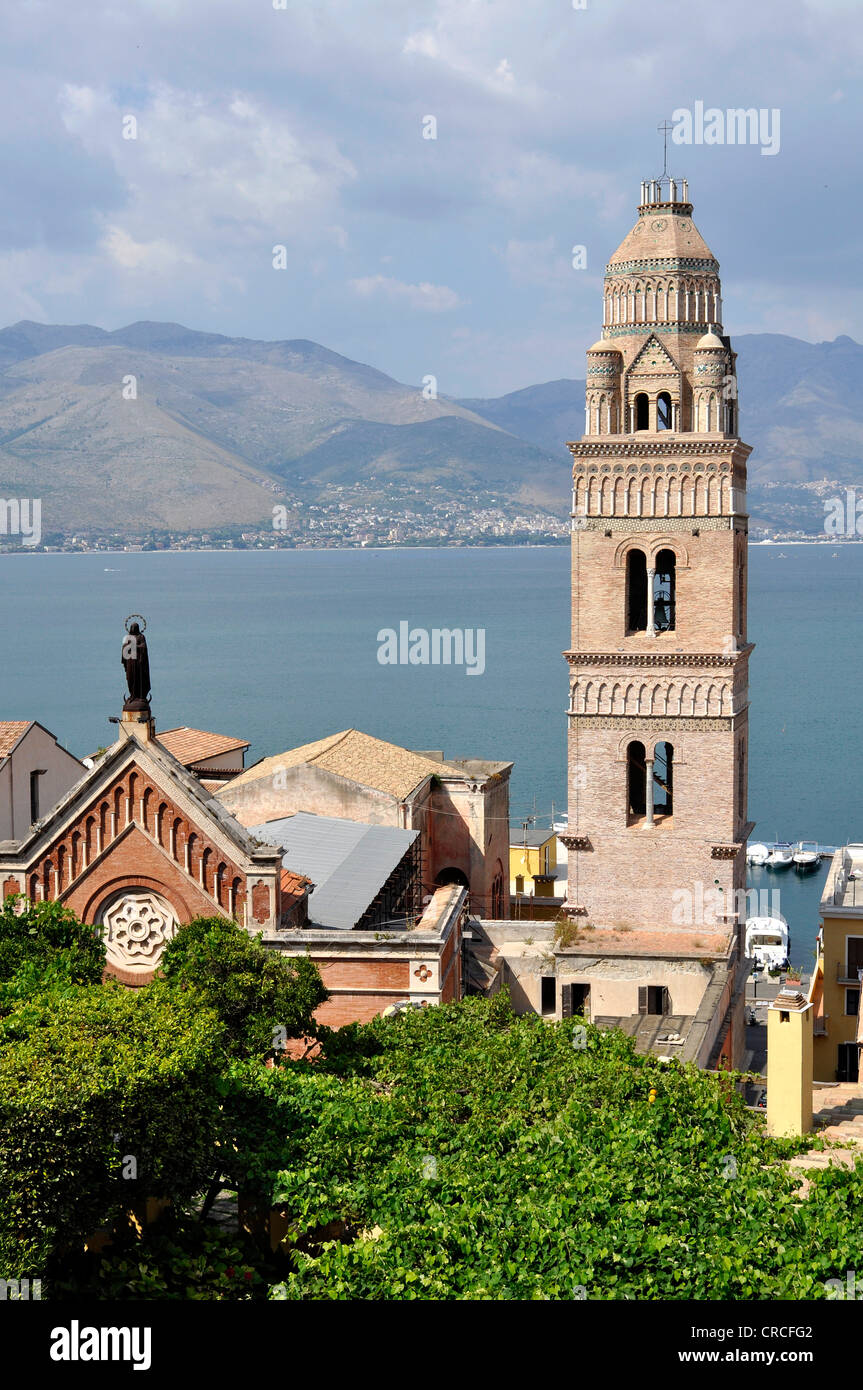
x,y
157,151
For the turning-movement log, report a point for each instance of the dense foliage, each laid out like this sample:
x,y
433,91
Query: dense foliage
x,y
106,1098
254,991
42,941
472,1154
459,1152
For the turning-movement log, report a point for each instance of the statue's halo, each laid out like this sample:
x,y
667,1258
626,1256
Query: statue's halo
x,y
141,620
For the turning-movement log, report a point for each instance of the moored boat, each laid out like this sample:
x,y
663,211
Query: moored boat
x,y
757,854
807,856
767,941
781,856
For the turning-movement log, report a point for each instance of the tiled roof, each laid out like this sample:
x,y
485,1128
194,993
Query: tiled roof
x,y
10,732
295,885
191,745
360,758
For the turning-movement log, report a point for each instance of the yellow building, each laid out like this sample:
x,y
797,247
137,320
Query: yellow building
x,y
532,863
836,982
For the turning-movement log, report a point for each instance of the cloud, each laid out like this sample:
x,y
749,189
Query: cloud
x,y
431,299
303,127
154,257
209,164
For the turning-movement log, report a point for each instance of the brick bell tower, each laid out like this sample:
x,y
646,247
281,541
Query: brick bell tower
x,y
658,713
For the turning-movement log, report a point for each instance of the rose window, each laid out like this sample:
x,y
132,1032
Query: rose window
x,y
136,928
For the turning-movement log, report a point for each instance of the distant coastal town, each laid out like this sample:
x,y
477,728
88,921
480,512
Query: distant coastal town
x,y
347,521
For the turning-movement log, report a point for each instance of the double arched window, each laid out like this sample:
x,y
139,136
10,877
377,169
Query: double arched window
x,y
649,783
665,411
651,594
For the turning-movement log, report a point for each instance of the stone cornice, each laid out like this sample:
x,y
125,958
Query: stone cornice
x,y
577,842
640,264
633,658
643,445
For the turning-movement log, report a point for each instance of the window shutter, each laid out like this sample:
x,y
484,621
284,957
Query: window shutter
x,y
566,1001
642,999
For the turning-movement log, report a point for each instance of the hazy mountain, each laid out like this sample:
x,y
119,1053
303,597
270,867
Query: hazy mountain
x,y
157,425
217,424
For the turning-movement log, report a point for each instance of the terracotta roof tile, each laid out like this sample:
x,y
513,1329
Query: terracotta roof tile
x,y
360,758
191,745
10,732
294,885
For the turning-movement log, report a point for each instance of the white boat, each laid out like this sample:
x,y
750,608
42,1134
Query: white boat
x,y
807,855
781,856
766,941
757,854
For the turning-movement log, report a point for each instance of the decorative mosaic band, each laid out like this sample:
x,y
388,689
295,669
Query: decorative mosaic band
x,y
647,722
650,523
629,330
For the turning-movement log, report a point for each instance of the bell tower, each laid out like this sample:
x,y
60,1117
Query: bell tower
x,y
658,706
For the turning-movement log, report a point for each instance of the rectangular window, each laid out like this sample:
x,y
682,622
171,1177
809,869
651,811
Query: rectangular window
x,y
852,1001
34,795
549,994
574,1000
853,955
847,1062
653,999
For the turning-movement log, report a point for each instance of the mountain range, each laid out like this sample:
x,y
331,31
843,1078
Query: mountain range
x,y
157,426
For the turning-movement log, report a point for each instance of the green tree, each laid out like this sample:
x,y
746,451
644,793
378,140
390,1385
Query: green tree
x,y
254,991
106,1097
42,941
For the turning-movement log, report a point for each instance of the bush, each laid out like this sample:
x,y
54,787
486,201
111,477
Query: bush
x,y
45,937
106,1097
480,1155
254,991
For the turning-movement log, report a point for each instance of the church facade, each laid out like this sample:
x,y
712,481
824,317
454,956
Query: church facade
x,y
137,847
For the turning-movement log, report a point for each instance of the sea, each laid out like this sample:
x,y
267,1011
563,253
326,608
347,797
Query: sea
x,y
283,647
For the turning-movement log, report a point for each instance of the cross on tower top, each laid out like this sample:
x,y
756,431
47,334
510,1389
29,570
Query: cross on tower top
x,y
664,128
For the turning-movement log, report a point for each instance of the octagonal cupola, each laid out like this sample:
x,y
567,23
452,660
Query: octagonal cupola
x,y
663,274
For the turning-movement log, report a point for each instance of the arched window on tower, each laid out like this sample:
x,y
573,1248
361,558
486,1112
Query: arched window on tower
x,y
636,591
663,411
741,780
642,411
635,781
664,591
663,779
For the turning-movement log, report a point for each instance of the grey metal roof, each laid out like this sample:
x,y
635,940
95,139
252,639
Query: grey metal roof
x,y
533,838
347,860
